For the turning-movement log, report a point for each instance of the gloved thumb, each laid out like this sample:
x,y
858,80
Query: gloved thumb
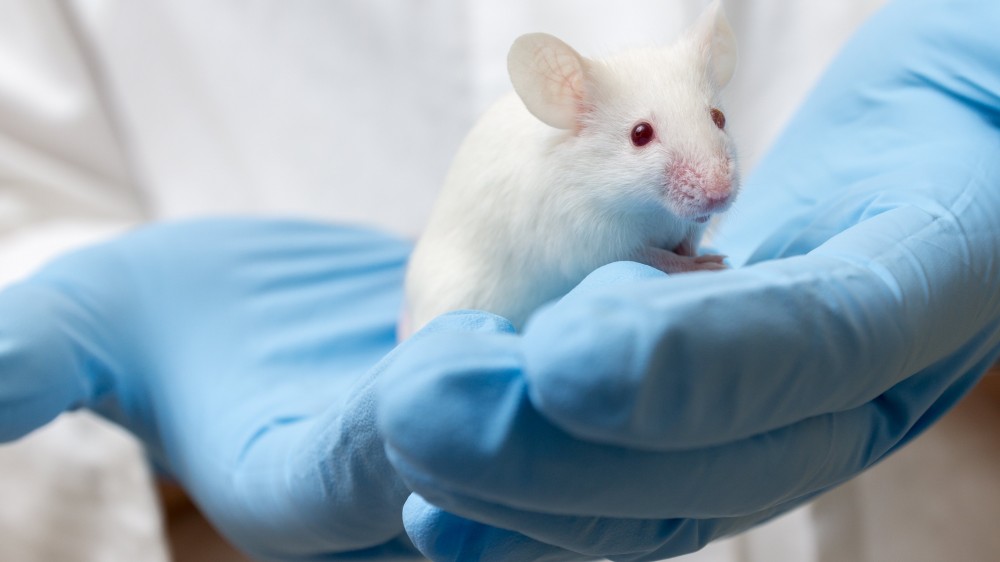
x,y
50,357
58,341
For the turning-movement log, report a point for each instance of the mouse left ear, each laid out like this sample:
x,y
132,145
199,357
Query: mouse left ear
x,y
716,39
548,76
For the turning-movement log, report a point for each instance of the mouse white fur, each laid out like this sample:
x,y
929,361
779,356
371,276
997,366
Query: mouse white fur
x,y
587,162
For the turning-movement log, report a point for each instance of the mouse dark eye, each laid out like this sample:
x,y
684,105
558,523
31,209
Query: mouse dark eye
x,y
642,134
719,118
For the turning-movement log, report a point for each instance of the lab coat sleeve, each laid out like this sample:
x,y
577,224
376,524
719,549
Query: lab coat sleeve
x,y
77,489
64,179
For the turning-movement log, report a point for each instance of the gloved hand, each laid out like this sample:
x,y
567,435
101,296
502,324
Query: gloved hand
x,y
643,416
241,353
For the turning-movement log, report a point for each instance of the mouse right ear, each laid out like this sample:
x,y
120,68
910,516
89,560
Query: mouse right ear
x,y
548,76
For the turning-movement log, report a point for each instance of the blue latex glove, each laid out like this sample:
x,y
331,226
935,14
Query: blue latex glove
x,y
643,416
241,353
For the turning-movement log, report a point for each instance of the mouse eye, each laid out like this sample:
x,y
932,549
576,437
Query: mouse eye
x,y
719,118
642,134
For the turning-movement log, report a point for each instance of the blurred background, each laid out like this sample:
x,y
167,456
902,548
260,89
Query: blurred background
x,y
115,113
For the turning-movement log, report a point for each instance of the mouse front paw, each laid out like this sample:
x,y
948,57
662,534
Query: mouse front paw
x,y
670,262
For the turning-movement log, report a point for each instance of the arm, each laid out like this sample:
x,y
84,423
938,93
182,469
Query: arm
x,y
238,352
63,183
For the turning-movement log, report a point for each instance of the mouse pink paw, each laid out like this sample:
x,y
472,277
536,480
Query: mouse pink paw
x,y
669,262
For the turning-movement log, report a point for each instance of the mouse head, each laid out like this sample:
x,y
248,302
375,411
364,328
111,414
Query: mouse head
x,y
644,127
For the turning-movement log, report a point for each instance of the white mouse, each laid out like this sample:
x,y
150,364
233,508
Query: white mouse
x,y
587,162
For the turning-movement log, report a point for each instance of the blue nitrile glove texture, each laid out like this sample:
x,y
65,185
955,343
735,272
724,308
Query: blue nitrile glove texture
x,y
644,415
241,352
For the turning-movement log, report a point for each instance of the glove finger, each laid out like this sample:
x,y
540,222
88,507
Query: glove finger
x,y
501,533
444,537
56,349
484,439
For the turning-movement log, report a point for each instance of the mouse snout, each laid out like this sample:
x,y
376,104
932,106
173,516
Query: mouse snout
x,y
697,191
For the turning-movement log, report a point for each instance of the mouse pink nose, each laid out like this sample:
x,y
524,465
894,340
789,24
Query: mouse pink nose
x,y
700,189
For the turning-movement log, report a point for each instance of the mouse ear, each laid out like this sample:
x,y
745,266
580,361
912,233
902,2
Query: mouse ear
x,y
717,40
548,76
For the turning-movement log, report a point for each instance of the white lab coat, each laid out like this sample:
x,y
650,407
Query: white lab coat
x,y
114,113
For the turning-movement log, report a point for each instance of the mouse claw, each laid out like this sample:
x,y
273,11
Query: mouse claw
x,y
710,258
710,266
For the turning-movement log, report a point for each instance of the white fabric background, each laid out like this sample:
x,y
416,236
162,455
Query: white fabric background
x,y
114,113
